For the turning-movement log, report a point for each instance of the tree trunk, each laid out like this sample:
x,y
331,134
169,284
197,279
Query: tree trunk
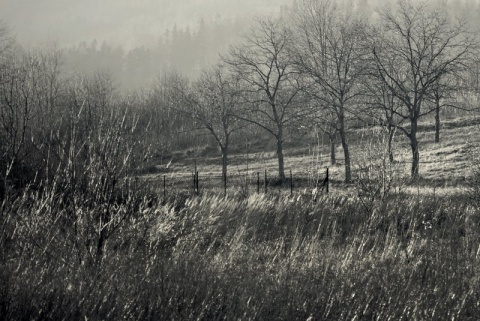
x,y
346,152
333,159
415,152
224,162
437,120
391,134
281,166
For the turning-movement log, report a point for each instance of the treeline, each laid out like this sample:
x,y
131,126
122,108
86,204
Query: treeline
x,y
186,50
330,65
322,64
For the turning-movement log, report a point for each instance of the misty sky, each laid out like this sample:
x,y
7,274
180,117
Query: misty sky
x,y
127,22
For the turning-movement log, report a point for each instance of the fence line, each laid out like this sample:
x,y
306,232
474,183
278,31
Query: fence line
x,y
212,181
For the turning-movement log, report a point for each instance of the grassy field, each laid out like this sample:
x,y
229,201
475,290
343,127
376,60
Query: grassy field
x,y
262,257
445,166
354,254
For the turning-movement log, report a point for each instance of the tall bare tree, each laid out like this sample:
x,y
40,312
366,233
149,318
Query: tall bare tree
x,y
17,97
329,52
448,92
162,105
271,90
214,100
412,49
380,106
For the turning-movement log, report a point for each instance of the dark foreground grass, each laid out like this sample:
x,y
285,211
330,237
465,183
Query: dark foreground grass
x,y
256,258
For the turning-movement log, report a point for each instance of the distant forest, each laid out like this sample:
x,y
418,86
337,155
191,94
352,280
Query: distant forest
x,y
186,51
190,49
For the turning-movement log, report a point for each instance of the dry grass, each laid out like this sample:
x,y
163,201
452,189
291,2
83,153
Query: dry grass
x,y
255,258
366,252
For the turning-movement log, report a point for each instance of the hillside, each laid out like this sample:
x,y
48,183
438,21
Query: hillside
x,y
448,164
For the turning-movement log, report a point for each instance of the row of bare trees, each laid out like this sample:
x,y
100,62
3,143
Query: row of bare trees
x,y
327,64
323,64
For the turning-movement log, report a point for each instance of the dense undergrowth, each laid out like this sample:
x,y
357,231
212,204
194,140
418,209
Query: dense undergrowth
x,y
207,257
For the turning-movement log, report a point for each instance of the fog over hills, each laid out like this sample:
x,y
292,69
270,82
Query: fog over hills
x,y
121,22
136,41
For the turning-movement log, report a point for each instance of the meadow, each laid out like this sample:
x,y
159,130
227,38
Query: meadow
x,y
446,166
361,252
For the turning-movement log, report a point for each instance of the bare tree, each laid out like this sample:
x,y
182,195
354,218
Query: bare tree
x,y
446,93
29,92
213,100
414,47
271,91
163,104
329,52
327,123
17,97
381,106
7,42
323,119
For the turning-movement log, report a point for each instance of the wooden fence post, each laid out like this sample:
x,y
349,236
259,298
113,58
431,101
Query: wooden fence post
x,y
291,183
197,189
258,182
194,182
164,187
327,181
265,181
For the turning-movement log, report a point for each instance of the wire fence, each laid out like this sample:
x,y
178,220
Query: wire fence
x,y
317,183
252,182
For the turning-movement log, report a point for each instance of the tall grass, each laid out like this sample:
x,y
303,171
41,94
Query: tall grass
x,y
256,258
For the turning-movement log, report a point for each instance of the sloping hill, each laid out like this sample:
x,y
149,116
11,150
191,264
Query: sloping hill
x,y
448,164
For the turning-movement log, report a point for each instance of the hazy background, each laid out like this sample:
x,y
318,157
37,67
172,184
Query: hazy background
x,y
135,41
126,22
